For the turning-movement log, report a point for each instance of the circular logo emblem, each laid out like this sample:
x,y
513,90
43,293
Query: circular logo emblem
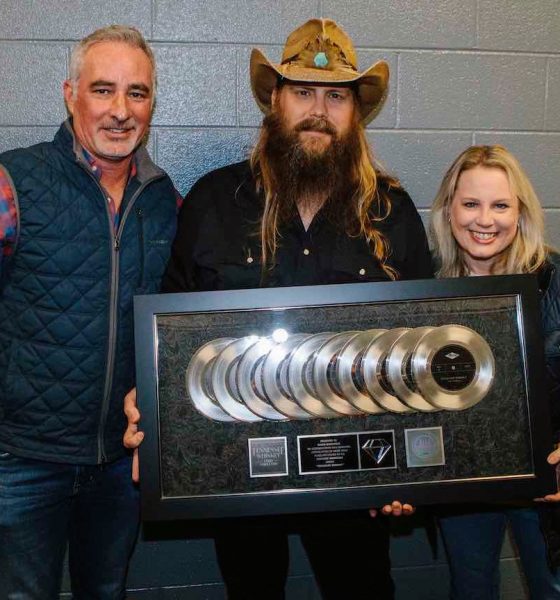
x,y
424,446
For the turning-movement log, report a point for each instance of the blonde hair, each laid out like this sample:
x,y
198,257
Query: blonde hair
x,y
367,195
112,33
528,250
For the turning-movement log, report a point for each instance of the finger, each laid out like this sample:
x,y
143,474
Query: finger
x,y
130,397
552,497
373,513
554,457
132,439
396,509
387,509
131,406
135,467
408,509
132,413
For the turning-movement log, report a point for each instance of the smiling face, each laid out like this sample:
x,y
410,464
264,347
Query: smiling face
x,y
484,215
318,113
111,103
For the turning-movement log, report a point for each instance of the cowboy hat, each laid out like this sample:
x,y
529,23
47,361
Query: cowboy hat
x,y
319,52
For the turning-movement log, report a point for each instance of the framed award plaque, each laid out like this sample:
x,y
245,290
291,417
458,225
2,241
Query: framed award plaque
x,y
340,397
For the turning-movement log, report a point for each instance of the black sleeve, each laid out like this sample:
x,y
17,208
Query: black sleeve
x,y
195,218
418,260
409,252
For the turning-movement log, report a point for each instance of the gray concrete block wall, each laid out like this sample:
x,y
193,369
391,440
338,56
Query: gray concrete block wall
x,y
462,71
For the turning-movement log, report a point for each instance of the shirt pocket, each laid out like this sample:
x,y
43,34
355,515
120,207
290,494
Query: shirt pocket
x,y
355,267
231,268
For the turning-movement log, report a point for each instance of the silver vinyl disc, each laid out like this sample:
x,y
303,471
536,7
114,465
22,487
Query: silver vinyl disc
x,y
274,376
249,380
453,367
224,383
374,370
299,371
398,369
349,373
197,380
324,378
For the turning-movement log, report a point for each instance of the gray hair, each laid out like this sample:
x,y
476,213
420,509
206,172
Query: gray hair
x,y
113,33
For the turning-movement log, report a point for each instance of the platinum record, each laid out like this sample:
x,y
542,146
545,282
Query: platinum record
x,y
300,364
249,380
197,379
454,367
349,373
224,383
374,369
399,369
325,378
275,378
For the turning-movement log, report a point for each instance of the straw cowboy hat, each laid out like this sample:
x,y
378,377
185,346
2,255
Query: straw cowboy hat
x,y
320,52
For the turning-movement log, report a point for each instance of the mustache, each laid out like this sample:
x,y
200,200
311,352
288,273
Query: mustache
x,y
117,124
318,125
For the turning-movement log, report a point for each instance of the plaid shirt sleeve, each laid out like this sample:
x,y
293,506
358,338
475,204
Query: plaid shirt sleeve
x,y
179,200
8,218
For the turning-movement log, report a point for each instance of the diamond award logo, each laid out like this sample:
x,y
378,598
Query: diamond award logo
x,y
376,449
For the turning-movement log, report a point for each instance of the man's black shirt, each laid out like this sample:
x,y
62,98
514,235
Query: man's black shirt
x,y
217,246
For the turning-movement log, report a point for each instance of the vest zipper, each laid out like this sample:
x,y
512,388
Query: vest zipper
x,y
113,306
140,215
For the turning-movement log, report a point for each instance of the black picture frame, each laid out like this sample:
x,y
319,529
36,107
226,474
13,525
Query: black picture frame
x,y
168,442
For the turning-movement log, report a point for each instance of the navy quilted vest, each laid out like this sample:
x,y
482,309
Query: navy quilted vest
x,y
66,331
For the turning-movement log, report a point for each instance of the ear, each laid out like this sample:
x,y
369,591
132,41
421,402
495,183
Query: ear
x,y
68,91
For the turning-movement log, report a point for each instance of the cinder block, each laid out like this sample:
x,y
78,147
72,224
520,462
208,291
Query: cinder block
x,y
69,20
31,90
249,114
512,583
234,21
21,137
188,154
552,226
406,23
539,154
418,159
196,86
463,91
519,25
552,121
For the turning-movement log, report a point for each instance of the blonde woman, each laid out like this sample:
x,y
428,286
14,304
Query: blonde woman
x,y
487,220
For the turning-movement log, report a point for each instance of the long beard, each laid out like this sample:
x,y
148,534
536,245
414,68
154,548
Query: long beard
x,y
306,172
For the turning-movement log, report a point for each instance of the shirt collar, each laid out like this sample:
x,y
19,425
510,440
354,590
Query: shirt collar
x,y
96,167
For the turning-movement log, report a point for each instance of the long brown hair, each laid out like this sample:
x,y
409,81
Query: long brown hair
x,y
368,203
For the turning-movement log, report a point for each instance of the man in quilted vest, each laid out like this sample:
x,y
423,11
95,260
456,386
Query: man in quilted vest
x,y
86,222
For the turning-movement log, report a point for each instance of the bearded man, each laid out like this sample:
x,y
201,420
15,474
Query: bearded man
x,y
310,207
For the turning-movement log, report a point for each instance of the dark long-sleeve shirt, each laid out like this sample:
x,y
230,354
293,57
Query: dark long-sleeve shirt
x,y
217,246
